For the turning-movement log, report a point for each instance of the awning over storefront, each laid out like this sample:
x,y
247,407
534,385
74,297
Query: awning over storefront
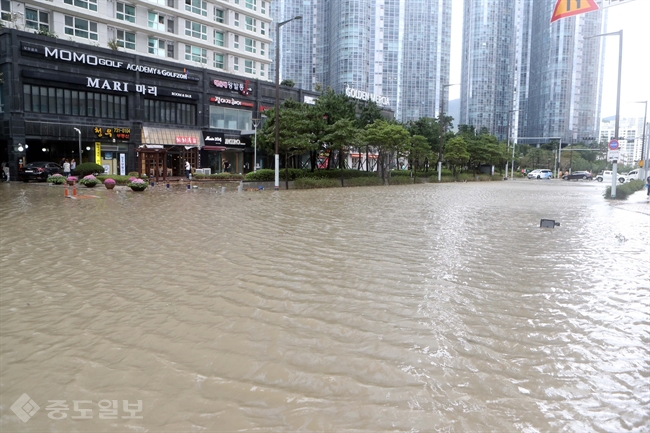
x,y
170,137
215,148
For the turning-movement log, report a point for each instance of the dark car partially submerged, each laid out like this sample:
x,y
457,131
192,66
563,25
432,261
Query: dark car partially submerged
x,y
584,175
39,170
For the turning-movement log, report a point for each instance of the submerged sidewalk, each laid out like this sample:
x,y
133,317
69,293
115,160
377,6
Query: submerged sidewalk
x,y
637,202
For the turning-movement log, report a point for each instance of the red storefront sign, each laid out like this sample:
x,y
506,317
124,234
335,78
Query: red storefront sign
x,y
185,140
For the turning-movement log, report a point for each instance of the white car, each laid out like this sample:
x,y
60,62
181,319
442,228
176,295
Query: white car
x,y
606,176
540,174
633,175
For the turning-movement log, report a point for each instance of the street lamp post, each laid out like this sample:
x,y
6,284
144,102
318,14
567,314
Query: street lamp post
x,y
618,100
277,99
442,128
643,147
79,132
256,124
512,175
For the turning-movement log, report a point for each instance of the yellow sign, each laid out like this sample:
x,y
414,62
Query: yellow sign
x,y
641,163
98,152
569,8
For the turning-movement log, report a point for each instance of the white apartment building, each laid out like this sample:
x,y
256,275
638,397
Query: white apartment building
x,y
227,35
630,133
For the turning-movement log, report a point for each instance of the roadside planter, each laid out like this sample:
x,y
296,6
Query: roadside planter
x,y
56,179
109,183
137,185
89,181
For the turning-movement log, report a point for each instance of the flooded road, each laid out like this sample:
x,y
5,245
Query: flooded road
x,y
423,308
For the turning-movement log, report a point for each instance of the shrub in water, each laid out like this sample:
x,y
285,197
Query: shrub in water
x,y
625,190
307,183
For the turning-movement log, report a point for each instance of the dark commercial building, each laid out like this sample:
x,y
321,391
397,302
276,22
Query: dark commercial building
x,y
60,98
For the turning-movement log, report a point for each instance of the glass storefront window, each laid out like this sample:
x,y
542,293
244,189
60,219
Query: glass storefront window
x,y
230,118
41,99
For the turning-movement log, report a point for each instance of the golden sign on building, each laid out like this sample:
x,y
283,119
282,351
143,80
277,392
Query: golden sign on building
x,y
117,133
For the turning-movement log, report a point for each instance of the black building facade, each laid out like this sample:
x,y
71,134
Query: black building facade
x,y
60,98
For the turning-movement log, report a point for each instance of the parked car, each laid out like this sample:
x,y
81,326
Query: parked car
x,y
584,175
606,176
633,175
39,170
543,173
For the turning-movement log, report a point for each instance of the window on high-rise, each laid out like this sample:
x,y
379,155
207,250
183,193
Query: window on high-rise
x,y
37,20
126,39
196,54
156,21
198,7
5,9
219,15
235,43
125,12
250,45
196,30
85,4
251,4
218,38
80,28
218,61
249,67
156,46
251,24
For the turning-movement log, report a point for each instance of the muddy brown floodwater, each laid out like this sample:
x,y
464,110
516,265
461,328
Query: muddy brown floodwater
x,y
423,308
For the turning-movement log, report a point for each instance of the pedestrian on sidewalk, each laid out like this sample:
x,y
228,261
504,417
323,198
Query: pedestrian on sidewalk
x,y
5,170
66,168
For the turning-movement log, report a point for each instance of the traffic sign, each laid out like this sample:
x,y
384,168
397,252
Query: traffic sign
x,y
569,8
613,145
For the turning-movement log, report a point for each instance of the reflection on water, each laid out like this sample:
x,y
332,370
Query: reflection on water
x,y
416,308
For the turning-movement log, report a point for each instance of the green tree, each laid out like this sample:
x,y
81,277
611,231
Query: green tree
x,y
368,113
340,136
388,138
430,129
419,152
288,83
295,135
456,153
332,107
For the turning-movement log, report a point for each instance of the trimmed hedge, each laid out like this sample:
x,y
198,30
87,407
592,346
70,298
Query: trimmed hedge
x,y
364,181
308,183
268,175
227,176
400,180
625,190
87,168
119,180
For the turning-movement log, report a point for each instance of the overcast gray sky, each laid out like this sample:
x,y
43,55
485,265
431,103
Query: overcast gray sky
x,y
633,17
